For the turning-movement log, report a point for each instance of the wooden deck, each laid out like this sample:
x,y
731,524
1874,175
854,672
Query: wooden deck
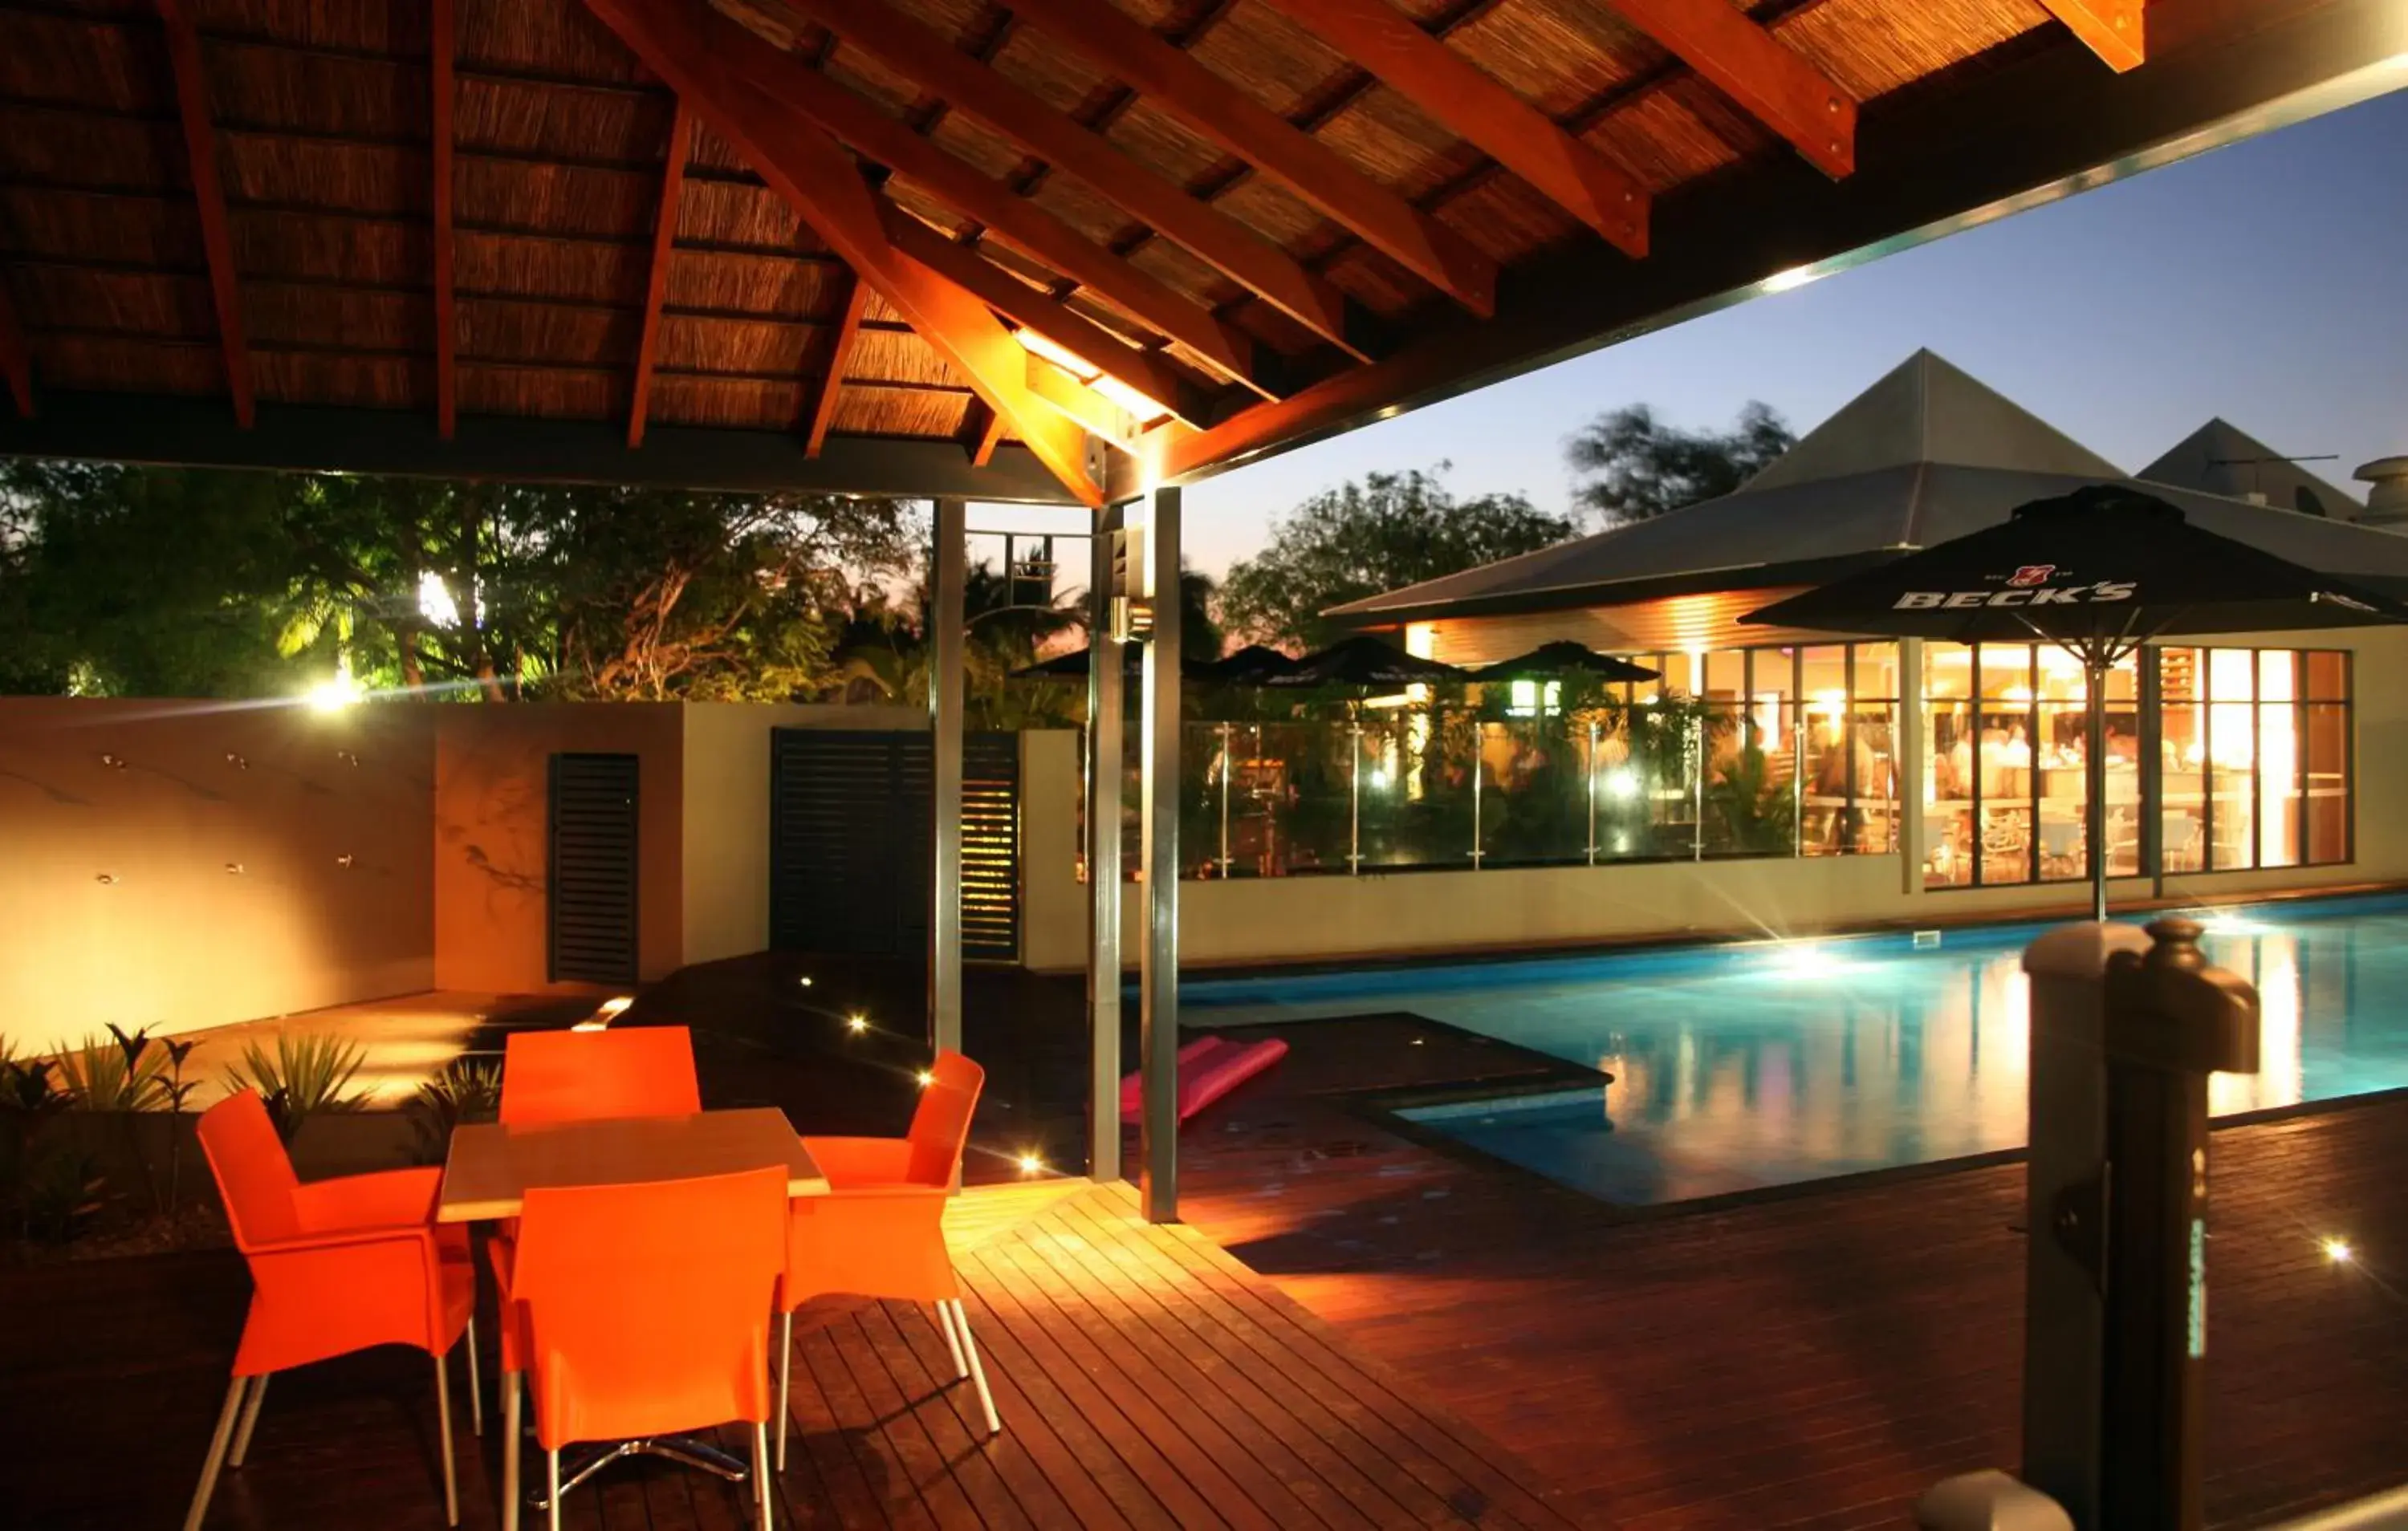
x,y
1814,1359
1145,1379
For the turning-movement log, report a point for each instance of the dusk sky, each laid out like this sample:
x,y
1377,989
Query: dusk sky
x,y
2265,283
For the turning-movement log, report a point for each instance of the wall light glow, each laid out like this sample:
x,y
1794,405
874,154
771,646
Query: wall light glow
x,y
1791,279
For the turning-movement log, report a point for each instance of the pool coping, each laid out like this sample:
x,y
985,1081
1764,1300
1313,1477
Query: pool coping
x,y
1381,962
1382,1109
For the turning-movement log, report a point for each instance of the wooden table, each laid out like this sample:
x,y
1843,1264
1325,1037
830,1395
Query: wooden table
x,y
492,1166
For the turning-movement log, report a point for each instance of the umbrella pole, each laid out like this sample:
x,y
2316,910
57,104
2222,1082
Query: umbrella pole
x,y
2094,832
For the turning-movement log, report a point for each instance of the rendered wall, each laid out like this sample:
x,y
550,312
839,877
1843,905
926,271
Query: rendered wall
x,y
492,823
727,824
121,899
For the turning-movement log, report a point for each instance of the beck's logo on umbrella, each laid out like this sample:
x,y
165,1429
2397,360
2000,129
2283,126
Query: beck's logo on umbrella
x,y
2027,586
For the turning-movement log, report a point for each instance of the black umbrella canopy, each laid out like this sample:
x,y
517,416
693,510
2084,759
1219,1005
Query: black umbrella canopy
x,y
1073,666
1253,666
2098,572
2098,569
1364,661
1561,658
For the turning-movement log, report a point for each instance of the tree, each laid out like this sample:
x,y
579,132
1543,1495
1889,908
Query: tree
x,y
1359,539
163,581
1633,466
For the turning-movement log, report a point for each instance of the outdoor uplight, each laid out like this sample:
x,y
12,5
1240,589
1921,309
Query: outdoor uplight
x,y
1622,783
332,695
1378,779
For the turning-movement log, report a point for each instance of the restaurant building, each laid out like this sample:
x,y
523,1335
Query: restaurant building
x,y
2239,765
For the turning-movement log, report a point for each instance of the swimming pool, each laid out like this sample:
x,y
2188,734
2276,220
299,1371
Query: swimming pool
x,y
1761,1064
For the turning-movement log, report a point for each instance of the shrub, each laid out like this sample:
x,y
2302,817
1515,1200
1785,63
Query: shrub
x,y
468,1090
305,1075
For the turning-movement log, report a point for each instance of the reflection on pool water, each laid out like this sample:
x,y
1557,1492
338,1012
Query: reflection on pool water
x,y
1765,1064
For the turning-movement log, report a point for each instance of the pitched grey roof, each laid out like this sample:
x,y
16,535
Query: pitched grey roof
x,y
2220,458
1924,454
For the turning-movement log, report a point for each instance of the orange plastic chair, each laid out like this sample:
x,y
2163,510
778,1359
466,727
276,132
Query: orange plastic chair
x,y
931,1154
646,1310
335,1267
589,1075
884,1241
579,1075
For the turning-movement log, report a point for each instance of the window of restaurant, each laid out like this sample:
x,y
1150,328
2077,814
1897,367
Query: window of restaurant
x,y
2255,758
2254,763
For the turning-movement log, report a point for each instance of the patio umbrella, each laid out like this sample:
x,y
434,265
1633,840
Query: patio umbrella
x,y
1073,666
1563,657
2097,572
1364,661
1253,666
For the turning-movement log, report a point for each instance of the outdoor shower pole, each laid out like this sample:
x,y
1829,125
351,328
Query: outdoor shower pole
x,y
1158,961
1105,758
1479,744
947,575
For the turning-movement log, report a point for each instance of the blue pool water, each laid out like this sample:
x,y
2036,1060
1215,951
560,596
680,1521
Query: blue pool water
x,y
1765,1064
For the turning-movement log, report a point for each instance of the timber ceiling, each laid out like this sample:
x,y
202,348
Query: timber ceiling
x,y
1165,225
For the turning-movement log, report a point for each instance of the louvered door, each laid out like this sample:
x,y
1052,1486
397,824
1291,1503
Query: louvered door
x,y
592,906
851,849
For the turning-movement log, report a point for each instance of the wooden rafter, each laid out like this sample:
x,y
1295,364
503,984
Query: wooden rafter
x,y
2115,30
1769,80
441,64
1388,44
1146,371
989,435
1236,251
877,137
1243,126
16,362
656,281
1079,404
736,81
839,357
184,41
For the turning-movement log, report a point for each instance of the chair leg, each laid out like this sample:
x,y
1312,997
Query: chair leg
x,y
760,1471
785,1375
249,1420
978,1371
953,1342
551,1458
217,1441
511,1447
476,1392
443,1436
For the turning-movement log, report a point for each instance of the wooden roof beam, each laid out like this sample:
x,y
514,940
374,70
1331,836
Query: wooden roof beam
x,y
656,281
1175,81
986,437
441,62
1245,257
209,197
1391,45
1770,81
1148,372
16,362
732,79
847,333
877,137
2112,29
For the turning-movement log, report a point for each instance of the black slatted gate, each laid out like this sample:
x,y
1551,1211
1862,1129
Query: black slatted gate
x,y
851,854
591,904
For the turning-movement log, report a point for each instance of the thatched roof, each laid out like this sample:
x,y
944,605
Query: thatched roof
x,y
314,271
